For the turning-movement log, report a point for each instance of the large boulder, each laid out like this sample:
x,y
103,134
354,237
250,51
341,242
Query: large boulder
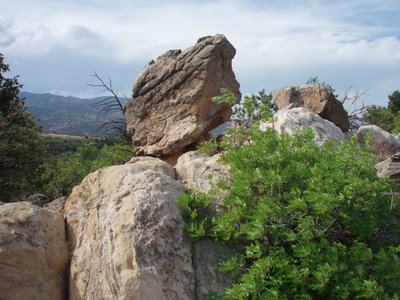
x,y
316,98
381,142
171,106
126,235
33,253
293,120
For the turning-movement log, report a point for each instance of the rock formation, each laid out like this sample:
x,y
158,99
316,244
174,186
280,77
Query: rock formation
x,y
381,142
199,171
318,99
390,167
126,235
33,253
292,120
171,106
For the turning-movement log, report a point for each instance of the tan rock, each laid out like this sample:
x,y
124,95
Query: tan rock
x,y
201,172
33,253
171,106
390,167
126,235
318,99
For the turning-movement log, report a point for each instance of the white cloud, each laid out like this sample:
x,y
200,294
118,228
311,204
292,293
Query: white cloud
x,y
277,42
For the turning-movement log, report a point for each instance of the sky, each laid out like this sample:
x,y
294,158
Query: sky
x,y
55,45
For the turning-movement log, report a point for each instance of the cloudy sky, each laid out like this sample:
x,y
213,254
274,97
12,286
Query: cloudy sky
x,y
55,45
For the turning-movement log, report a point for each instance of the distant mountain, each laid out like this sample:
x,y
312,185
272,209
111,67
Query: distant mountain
x,y
68,115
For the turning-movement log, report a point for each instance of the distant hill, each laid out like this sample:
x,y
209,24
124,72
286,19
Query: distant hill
x,y
68,115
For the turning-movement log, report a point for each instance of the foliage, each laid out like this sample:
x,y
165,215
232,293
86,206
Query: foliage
x,y
394,102
380,116
20,143
254,108
315,81
388,118
60,175
307,219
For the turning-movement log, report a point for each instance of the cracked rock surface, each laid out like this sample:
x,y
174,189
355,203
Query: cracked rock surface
x,y
171,105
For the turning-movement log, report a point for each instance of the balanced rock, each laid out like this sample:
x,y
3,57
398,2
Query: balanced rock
x,y
126,235
33,253
293,120
171,106
381,142
318,99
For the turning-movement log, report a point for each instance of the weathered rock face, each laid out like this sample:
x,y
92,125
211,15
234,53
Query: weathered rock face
x,y
57,205
171,106
317,99
207,256
33,252
199,171
126,235
390,167
382,143
292,120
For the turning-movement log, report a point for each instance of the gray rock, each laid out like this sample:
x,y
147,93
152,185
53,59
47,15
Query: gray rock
x,y
207,255
292,120
382,142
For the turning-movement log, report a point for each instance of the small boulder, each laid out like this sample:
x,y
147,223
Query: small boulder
x,y
390,167
200,172
38,199
382,143
292,120
171,105
318,99
57,205
33,253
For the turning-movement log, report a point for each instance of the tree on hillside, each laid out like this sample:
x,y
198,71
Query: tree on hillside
x,y
20,142
388,118
394,102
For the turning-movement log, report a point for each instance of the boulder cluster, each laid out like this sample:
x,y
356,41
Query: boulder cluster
x,y
119,235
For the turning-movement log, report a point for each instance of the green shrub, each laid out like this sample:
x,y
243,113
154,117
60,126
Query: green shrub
x,y
307,219
69,168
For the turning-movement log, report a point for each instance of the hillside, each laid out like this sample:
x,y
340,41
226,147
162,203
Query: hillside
x,y
67,115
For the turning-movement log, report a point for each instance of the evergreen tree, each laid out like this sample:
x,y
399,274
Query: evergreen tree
x,y
20,142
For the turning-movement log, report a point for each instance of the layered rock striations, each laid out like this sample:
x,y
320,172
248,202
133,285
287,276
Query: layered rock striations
x,y
171,106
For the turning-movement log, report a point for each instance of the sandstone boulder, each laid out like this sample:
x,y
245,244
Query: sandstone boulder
x,y
382,143
200,172
318,99
171,106
292,120
390,167
126,235
33,253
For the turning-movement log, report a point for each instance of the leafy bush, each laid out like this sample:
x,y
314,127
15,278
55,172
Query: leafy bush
x,y
306,218
69,168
